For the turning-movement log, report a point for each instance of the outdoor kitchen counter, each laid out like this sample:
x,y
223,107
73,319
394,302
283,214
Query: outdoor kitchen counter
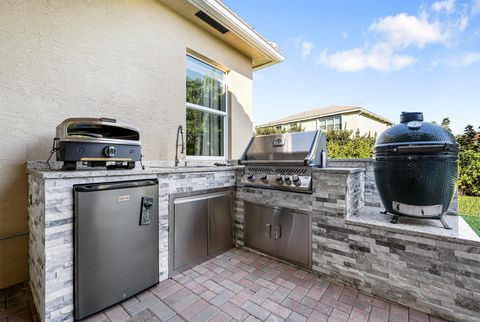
x,y
51,218
461,232
149,170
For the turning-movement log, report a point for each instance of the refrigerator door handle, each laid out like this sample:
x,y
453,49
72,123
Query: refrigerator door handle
x,y
146,213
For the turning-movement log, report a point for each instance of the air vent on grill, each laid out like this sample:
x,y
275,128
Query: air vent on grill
x,y
260,169
211,22
300,170
291,170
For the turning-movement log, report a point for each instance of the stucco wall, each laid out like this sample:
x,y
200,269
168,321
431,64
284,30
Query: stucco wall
x,y
362,122
121,59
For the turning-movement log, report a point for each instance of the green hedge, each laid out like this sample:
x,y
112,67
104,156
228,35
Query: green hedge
x,y
469,179
469,205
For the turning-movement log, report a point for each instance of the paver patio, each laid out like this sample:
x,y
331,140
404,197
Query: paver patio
x,y
240,286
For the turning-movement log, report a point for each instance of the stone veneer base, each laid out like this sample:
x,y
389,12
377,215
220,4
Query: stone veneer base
x,y
51,227
415,264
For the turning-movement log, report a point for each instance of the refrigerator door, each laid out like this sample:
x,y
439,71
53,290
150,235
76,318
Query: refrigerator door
x,y
116,242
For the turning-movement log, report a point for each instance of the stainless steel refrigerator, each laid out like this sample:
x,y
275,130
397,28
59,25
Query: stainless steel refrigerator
x,y
116,242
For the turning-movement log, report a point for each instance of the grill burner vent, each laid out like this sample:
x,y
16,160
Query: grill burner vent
x,y
302,170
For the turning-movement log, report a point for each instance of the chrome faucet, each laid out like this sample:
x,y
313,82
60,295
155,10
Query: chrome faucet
x,y
179,132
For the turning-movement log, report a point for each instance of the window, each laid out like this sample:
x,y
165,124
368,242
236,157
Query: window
x,y
206,109
330,123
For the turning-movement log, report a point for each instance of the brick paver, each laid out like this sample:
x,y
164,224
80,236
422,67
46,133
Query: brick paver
x,y
239,286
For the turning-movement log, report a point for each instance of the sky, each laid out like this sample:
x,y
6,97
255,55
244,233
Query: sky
x,y
385,56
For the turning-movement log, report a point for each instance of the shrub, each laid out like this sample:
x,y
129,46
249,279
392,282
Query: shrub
x,y
273,130
469,205
346,144
469,177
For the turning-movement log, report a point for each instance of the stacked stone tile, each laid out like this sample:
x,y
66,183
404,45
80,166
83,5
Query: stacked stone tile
x,y
427,269
51,228
430,269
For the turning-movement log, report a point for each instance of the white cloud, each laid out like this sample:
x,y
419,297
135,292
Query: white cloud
x,y
380,57
470,58
390,36
306,47
345,34
402,30
303,46
475,7
447,5
463,23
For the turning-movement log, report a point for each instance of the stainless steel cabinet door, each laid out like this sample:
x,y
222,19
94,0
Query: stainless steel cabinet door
x,y
259,228
220,228
190,232
292,236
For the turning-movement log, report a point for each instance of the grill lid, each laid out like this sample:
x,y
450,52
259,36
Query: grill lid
x,y
299,148
413,136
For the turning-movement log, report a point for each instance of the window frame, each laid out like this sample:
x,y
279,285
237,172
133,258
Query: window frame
x,y
224,114
325,119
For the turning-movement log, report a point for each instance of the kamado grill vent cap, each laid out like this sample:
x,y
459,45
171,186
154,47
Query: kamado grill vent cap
x,y
411,116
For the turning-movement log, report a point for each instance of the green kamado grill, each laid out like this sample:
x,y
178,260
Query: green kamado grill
x,y
416,168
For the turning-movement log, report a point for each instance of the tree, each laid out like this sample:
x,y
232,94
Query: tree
x,y
469,175
446,124
469,140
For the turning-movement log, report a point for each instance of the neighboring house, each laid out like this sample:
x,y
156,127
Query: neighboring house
x,y
155,64
335,117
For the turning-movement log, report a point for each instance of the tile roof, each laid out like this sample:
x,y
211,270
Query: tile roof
x,y
325,111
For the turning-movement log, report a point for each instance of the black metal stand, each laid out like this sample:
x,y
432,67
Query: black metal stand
x,y
394,219
444,223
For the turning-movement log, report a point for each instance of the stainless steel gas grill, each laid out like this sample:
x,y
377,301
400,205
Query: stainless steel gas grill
x,y
284,161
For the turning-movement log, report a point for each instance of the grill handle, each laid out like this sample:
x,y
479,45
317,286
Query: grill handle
x,y
418,148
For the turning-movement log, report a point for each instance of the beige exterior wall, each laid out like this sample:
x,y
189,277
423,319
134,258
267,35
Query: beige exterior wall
x,y
121,59
364,123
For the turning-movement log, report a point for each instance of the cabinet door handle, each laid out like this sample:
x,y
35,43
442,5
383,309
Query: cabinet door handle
x,y
268,231
278,232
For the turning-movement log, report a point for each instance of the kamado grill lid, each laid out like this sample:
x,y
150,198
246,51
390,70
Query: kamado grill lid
x,y
414,136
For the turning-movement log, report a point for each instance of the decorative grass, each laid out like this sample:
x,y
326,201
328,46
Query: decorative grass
x,y
469,209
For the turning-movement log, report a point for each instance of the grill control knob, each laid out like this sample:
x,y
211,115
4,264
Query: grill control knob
x,y
251,177
110,151
288,180
296,180
279,179
264,178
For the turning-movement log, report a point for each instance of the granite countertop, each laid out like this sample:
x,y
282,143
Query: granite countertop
x,y
38,169
339,170
460,232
